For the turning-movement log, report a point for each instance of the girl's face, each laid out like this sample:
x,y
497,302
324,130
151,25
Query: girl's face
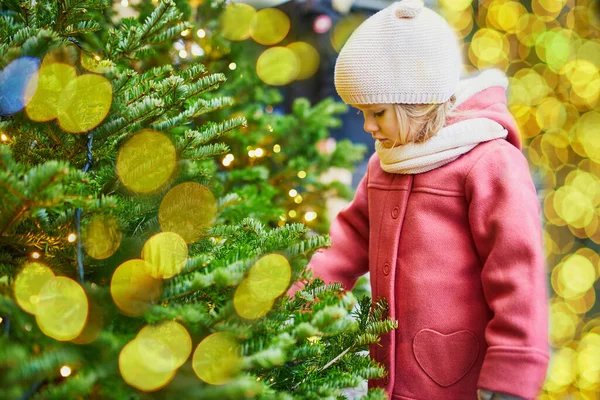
x,y
381,123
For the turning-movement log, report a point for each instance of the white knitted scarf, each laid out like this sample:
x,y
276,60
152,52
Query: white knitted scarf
x,y
451,141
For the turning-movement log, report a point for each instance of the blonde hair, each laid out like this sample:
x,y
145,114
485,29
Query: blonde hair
x,y
419,122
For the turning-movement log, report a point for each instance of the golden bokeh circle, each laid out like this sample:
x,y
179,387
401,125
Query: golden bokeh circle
x,y
188,209
101,236
133,289
528,28
62,308
137,373
93,325
269,26
146,161
344,28
28,284
84,103
235,21
247,305
217,358
309,59
166,254
165,346
45,96
277,66
269,277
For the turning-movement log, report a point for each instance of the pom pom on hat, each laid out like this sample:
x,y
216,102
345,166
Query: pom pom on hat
x,y
405,53
407,8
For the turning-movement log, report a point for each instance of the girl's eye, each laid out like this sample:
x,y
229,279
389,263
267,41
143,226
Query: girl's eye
x,y
379,114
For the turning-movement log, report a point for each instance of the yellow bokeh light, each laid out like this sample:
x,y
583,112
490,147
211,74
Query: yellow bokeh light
x,y
188,209
62,308
562,323
528,28
584,78
508,14
164,347
51,83
298,199
577,274
166,254
95,64
489,48
71,238
133,289
65,371
235,21
277,66
217,358
344,28
310,216
293,193
547,10
551,113
588,355
269,277
301,174
93,326
101,236
276,148
35,255
292,213
146,161
84,103
247,305
554,47
269,26
137,373
561,372
309,59
456,5
28,284
586,132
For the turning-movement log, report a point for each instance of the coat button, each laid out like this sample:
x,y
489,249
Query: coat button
x,y
395,212
386,269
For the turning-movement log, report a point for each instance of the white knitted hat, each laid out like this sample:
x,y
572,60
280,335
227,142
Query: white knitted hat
x,y
405,53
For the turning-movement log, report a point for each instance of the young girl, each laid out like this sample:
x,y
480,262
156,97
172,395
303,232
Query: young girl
x,y
446,219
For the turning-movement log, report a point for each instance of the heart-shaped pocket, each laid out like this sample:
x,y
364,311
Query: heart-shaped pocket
x,y
445,358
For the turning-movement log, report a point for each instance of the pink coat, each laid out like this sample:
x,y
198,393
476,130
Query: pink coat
x,y
457,252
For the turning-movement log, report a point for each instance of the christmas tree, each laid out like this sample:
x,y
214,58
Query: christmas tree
x,y
128,266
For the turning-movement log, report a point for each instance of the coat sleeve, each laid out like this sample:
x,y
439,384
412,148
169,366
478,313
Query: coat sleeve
x,y
347,258
504,216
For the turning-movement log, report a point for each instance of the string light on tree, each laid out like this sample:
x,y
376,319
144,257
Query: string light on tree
x,y
125,3
185,32
183,54
298,199
201,33
258,152
292,213
293,193
65,371
310,216
71,238
35,255
276,148
197,50
4,137
232,66
301,174
228,160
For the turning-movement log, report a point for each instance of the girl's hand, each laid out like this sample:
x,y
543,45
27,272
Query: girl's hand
x,y
483,394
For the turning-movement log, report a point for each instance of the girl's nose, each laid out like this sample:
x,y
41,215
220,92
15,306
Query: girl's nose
x,y
370,125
